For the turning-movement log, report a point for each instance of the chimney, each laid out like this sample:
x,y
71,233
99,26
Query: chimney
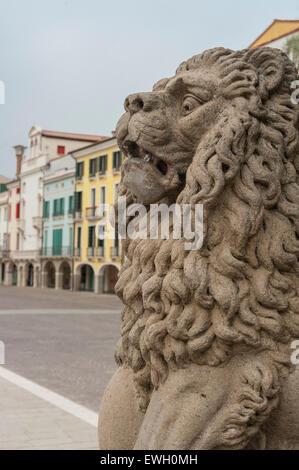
x,y
19,156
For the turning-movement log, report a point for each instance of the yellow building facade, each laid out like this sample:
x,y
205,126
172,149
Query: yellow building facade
x,y
96,259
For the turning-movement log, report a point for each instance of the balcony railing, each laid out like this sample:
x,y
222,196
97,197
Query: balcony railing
x,y
91,251
77,214
114,251
53,251
94,212
77,252
4,253
100,252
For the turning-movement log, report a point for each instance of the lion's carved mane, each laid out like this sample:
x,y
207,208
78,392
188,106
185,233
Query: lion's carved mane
x,y
240,291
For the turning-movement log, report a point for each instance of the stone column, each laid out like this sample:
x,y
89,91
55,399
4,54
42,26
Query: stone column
x,y
44,279
8,275
20,277
99,284
76,281
36,277
58,280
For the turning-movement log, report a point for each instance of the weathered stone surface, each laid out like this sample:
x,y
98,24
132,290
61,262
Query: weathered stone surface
x,y
206,334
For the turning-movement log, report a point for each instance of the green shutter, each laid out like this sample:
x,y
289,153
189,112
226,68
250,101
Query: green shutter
x,y
57,241
71,202
114,160
54,207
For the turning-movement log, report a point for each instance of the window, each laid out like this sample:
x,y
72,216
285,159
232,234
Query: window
x,y
102,164
18,210
57,241
46,210
117,158
93,166
58,207
91,236
45,238
78,201
79,233
102,194
71,237
61,149
71,204
79,170
18,241
93,196
18,190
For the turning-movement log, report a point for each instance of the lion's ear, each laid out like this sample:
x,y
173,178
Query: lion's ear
x,y
268,62
161,84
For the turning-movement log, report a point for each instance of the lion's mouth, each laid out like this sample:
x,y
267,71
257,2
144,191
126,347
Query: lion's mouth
x,y
133,150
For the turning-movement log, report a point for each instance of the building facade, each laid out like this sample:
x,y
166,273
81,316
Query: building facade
x,y
279,34
58,223
97,261
24,263
4,214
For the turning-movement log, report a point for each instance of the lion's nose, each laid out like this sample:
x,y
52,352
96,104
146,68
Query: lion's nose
x,y
140,101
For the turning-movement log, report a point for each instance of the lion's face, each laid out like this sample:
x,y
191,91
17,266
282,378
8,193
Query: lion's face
x,y
161,130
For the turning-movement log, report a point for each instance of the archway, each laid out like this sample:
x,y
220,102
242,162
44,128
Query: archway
x,y
109,274
50,272
14,275
86,277
65,271
2,274
29,272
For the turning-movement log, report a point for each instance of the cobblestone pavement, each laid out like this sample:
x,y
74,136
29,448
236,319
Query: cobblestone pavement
x,y
70,354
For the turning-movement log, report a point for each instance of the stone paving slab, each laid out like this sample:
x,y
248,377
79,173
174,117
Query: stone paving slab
x,y
13,298
30,423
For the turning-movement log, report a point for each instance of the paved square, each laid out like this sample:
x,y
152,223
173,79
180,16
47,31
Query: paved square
x,y
71,354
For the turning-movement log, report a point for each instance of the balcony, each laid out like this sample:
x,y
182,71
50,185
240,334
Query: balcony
x,y
57,251
78,215
20,225
77,252
114,252
4,253
25,254
91,252
94,212
37,222
100,252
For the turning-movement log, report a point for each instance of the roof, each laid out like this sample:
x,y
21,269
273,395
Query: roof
x,y
4,179
92,145
277,30
72,136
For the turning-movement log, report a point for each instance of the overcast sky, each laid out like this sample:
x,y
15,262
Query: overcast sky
x,y
68,65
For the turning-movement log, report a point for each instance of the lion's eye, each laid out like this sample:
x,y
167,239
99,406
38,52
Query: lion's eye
x,y
189,104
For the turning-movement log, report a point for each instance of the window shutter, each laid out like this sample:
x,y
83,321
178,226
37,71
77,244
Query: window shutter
x,y
114,160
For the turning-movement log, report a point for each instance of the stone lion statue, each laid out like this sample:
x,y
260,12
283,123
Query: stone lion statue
x,y
206,337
